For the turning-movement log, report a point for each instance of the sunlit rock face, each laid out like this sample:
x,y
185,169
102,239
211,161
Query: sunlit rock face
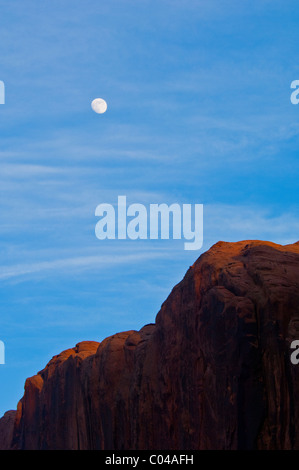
x,y
213,372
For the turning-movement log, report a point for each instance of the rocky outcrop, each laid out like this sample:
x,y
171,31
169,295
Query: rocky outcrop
x,y
6,429
213,372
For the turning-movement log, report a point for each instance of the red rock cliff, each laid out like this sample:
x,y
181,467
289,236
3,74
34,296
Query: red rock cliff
x,y
213,372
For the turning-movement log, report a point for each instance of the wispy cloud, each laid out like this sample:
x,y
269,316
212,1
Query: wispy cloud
x,y
221,222
236,222
82,263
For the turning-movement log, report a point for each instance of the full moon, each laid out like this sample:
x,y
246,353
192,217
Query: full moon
x,y
99,105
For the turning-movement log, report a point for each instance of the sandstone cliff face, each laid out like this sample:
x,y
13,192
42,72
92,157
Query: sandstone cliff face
x,y
213,372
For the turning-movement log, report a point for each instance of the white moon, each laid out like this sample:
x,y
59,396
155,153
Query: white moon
x,y
99,105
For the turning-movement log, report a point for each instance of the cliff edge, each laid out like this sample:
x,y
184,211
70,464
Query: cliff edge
x,y
213,372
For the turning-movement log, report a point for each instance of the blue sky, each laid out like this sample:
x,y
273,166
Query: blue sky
x,y
199,111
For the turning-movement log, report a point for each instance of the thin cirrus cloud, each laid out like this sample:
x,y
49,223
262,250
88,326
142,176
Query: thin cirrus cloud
x,y
234,223
78,263
230,223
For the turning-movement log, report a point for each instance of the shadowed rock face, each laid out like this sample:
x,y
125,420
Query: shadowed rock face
x,y
213,372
